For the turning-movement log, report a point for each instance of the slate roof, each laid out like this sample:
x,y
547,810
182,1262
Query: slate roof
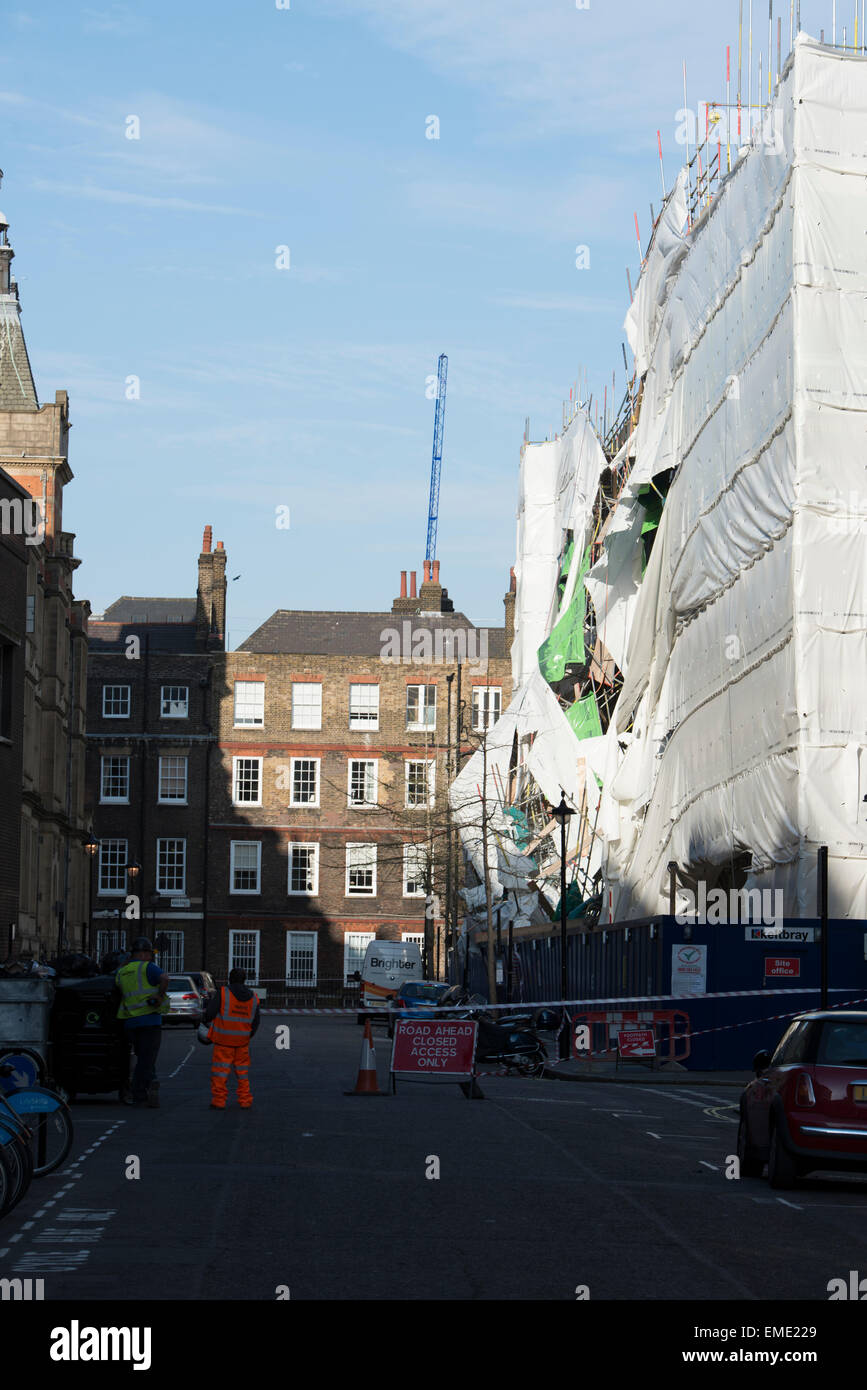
x,y
354,634
17,391
170,624
128,609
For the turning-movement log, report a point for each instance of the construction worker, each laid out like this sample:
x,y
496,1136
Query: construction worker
x,y
233,1014
143,987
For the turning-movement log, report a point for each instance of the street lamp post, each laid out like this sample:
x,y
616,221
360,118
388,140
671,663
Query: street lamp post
x,y
562,813
91,849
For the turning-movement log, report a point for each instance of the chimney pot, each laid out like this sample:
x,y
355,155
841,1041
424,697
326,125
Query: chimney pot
x,y
436,571
219,545
513,583
427,571
412,579
403,583
206,540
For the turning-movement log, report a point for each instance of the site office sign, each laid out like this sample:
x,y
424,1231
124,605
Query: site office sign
x,y
782,967
434,1049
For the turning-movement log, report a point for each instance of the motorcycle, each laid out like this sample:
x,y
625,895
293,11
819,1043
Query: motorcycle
x,y
511,1042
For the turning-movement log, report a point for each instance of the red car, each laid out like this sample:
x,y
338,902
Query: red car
x,y
807,1108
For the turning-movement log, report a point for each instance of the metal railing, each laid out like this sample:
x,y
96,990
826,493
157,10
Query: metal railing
x,y
310,994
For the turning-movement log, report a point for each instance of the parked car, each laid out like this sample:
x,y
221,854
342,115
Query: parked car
x,y
417,999
204,983
807,1107
185,1001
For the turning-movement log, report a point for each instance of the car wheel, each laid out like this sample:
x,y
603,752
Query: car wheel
x,y
782,1166
751,1166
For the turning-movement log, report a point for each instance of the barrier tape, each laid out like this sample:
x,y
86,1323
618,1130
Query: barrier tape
x,y
554,1003
724,1027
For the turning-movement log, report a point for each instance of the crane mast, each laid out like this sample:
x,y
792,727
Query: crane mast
x,y
437,458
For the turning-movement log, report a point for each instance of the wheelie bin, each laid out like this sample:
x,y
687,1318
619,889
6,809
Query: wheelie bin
x,y
90,1053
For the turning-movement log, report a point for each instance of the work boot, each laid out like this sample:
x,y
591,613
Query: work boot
x,y
154,1095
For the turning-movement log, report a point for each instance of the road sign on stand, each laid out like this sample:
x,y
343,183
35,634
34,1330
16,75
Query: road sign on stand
x,y
435,1050
636,1042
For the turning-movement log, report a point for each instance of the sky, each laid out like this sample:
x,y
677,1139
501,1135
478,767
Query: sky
x,y
241,252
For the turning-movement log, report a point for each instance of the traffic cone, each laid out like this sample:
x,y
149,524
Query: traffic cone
x,y
366,1083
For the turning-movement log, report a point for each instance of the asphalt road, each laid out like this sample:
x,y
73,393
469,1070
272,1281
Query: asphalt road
x,y
544,1186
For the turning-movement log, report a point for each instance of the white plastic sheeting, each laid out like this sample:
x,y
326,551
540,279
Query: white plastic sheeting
x,y
558,484
746,661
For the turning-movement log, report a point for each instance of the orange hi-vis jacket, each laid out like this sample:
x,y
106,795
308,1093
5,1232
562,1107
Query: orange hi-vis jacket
x,y
231,1027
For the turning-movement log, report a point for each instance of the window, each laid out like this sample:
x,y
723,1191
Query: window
x,y
175,702
115,702
416,938
301,957
306,705
171,866
415,861
247,781
109,941
364,707
421,706
420,776
31,613
173,778
245,866
303,869
305,782
362,782
7,667
244,953
112,866
355,944
486,706
114,778
249,704
792,1044
171,957
361,871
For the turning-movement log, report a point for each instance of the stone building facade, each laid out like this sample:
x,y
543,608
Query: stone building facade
x,y
52,898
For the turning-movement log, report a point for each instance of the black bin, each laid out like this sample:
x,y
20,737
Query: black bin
x,y
90,1053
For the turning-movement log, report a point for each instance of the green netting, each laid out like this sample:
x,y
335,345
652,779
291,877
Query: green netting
x,y
566,642
584,718
523,833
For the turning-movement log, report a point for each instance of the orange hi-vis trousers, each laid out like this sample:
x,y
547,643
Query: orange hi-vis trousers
x,y
224,1059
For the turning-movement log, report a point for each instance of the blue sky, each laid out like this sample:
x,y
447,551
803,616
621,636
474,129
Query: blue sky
x,y
305,387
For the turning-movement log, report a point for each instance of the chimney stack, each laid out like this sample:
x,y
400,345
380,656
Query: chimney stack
x,y
412,578
211,595
436,572
403,583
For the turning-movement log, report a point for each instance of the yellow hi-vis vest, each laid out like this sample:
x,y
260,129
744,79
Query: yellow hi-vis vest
x,y
133,983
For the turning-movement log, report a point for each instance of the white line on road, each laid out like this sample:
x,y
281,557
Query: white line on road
x,y
704,1163
789,1204
652,1135
181,1064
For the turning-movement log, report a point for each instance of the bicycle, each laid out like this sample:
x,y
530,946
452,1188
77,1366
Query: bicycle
x,y
46,1118
16,1162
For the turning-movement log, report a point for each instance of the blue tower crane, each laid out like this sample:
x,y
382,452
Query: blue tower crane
x,y
437,459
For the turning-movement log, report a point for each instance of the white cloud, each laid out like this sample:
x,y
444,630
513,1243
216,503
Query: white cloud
x,y
144,200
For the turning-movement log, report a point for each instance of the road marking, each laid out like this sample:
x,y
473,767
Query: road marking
x,y
783,1201
652,1135
704,1163
181,1064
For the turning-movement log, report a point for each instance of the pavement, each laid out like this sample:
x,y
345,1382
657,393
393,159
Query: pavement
x,y
640,1074
536,1192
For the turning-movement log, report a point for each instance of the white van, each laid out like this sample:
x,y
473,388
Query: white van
x,y
387,965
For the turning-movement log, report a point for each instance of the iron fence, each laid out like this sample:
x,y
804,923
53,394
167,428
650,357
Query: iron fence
x,y
309,994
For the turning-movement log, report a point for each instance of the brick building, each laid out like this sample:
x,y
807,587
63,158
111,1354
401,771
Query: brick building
x,y
337,733
151,662
49,652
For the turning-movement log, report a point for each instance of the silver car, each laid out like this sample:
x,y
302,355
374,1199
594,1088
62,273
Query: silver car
x,y
185,1001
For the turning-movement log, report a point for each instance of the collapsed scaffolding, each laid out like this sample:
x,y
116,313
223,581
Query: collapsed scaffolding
x,y
672,565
